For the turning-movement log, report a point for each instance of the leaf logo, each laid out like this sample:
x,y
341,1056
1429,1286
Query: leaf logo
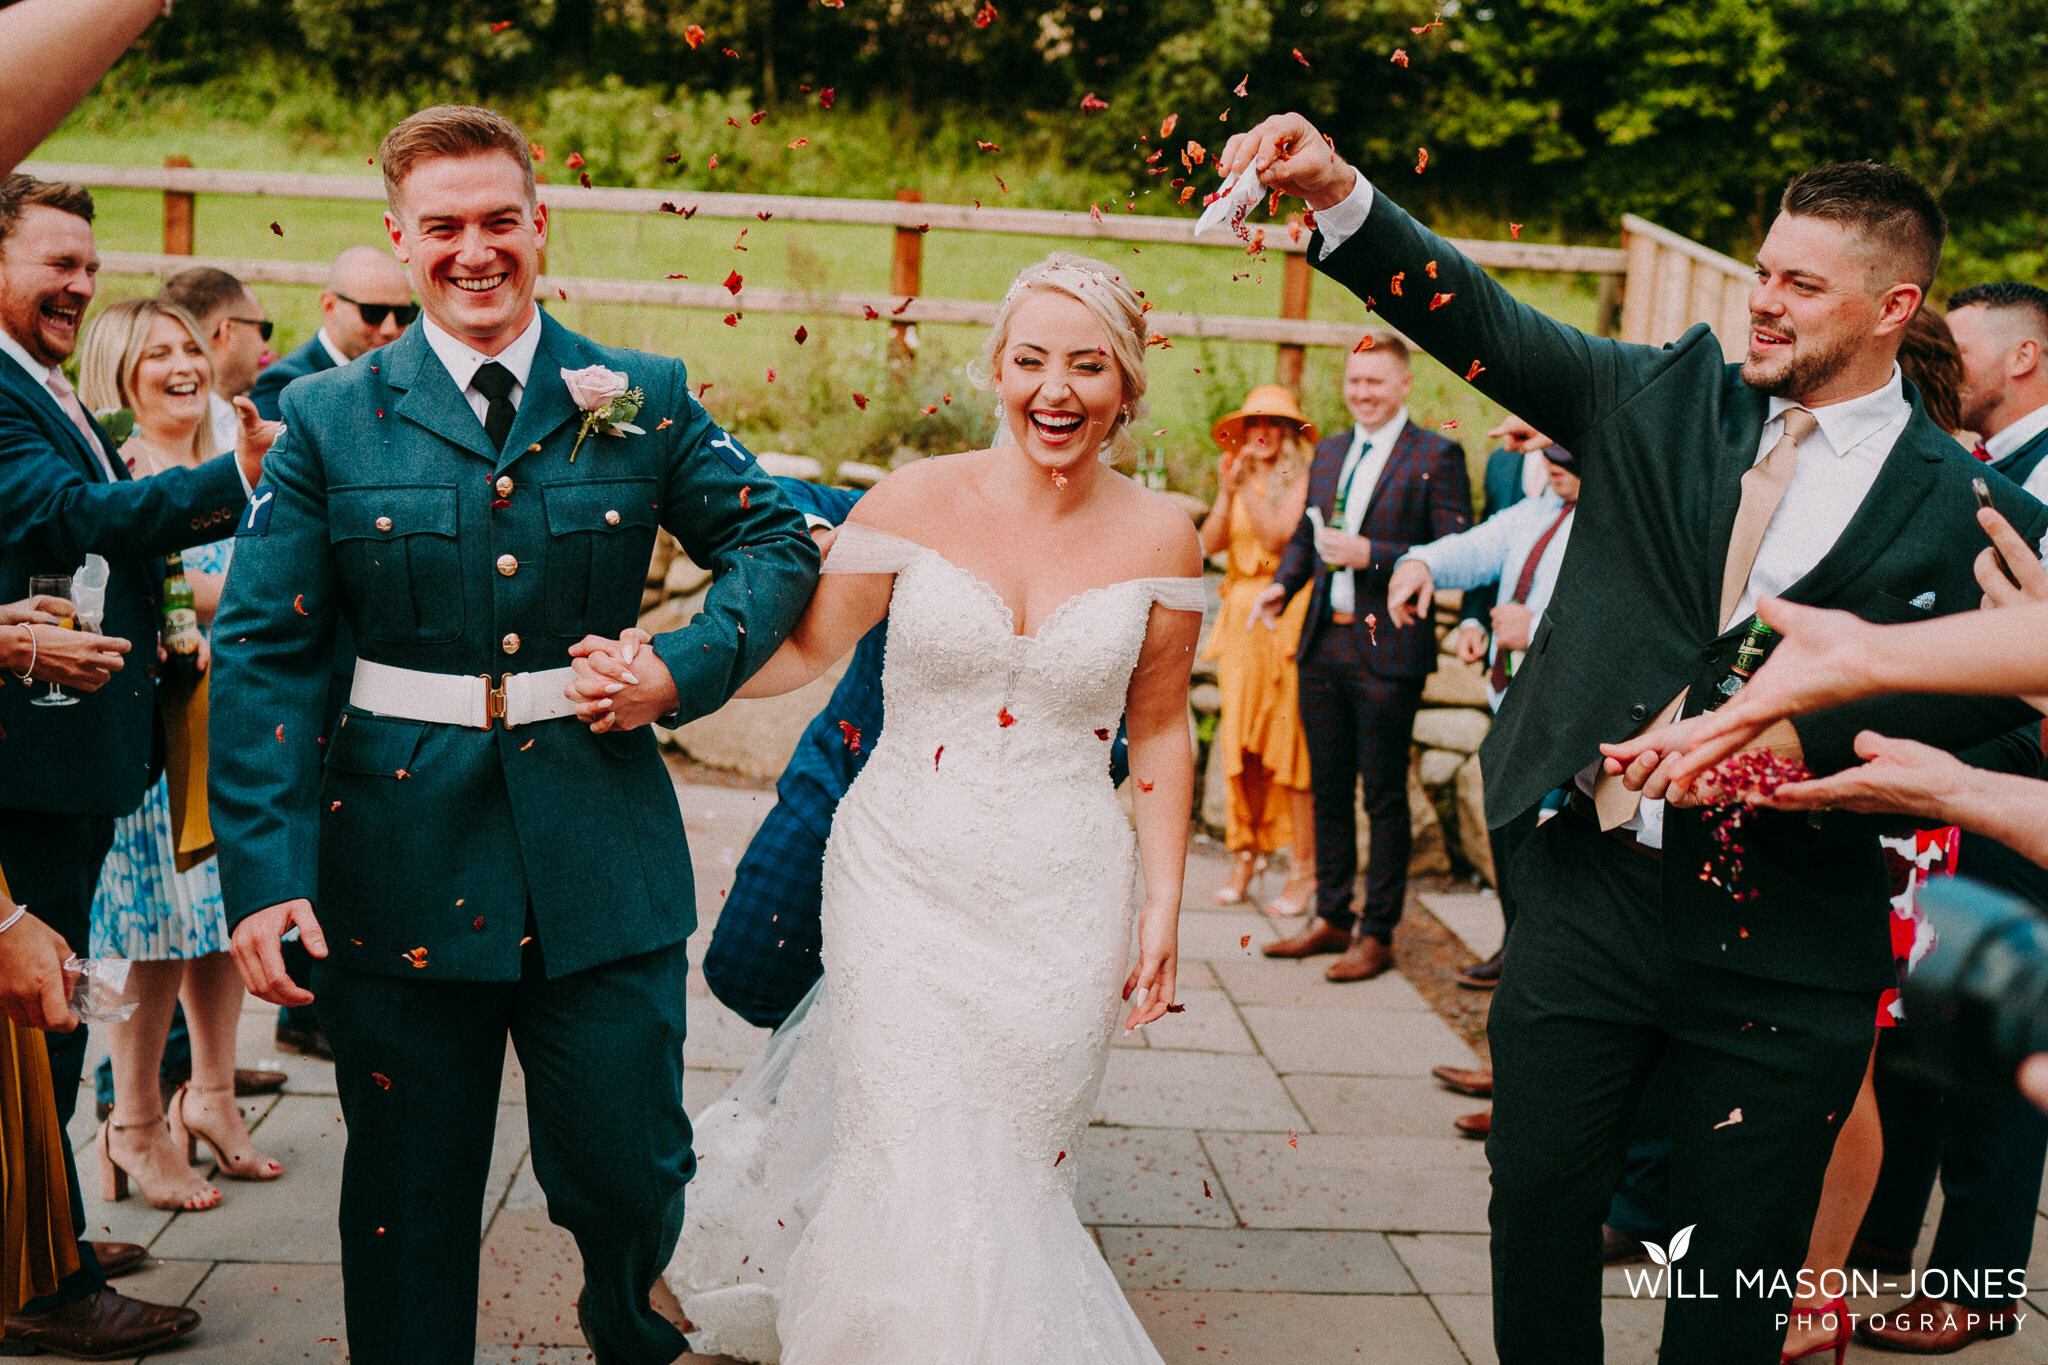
x,y
1680,1241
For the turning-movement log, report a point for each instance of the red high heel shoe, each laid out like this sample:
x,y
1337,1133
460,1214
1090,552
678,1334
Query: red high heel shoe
x,y
1839,1343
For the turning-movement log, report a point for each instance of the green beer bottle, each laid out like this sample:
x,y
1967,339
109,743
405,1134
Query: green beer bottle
x,y
181,624
1749,657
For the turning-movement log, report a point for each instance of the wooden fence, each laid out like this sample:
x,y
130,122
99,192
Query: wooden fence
x,y
1674,282
1291,329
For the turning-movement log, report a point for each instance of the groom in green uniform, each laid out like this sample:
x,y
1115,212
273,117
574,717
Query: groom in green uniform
x,y
464,858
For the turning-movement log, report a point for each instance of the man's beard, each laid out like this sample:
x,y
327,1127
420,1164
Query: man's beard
x,y
1802,374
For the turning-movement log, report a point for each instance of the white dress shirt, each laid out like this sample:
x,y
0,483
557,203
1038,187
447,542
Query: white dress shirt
x,y
227,427
1360,474
41,373
463,361
2017,435
334,351
1497,551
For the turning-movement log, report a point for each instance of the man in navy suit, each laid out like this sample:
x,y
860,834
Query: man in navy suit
x,y
366,304
68,772
2001,330
1380,488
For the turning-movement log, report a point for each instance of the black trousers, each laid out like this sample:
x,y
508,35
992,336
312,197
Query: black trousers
x,y
53,867
1988,1153
1358,725
1505,844
1761,1074
418,1065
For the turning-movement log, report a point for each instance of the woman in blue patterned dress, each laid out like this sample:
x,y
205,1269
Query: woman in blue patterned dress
x,y
149,357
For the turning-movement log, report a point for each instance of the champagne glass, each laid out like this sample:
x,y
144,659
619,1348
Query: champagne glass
x,y
54,585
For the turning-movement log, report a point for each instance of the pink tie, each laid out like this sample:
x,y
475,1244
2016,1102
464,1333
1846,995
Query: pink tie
x,y
67,399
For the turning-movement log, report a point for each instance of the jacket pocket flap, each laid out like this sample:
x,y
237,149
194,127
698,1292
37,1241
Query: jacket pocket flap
x,y
387,513
376,746
599,505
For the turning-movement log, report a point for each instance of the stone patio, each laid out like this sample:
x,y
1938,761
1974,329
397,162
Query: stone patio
x,y
1272,1175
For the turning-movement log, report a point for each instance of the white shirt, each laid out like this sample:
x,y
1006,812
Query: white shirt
x,y
1360,474
334,351
1497,551
463,361
227,427
2018,434
1535,473
41,373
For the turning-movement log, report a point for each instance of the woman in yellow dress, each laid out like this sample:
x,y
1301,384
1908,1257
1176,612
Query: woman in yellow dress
x,y
1262,488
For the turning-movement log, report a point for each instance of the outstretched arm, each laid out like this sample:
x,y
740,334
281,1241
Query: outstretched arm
x,y
51,53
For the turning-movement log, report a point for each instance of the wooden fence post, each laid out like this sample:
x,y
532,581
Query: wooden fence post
x,y
177,214
1295,277
906,276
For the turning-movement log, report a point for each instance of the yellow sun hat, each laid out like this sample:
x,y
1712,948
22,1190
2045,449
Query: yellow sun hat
x,y
1267,400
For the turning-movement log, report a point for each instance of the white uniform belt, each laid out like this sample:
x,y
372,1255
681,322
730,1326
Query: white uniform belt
x,y
471,699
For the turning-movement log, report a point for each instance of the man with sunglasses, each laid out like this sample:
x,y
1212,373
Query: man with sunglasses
x,y
236,330
366,304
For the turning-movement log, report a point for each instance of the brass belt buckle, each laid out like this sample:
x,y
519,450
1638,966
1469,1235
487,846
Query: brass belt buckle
x,y
494,700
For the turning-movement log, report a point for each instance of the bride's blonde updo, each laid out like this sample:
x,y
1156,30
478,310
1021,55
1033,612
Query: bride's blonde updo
x,y
1102,290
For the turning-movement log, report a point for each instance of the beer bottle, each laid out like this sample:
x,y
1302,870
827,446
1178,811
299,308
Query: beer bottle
x,y
1749,657
181,624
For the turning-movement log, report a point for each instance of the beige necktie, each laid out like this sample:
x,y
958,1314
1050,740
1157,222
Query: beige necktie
x,y
67,399
1763,488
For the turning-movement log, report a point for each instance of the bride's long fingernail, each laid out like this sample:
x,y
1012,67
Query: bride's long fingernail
x,y
627,674
613,688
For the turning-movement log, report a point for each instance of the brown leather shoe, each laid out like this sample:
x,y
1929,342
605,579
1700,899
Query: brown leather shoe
x,y
1935,1327
1319,936
1480,976
1362,961
1618,1248
1474,1125
118,1258
1474,1081
248,1082
102,1326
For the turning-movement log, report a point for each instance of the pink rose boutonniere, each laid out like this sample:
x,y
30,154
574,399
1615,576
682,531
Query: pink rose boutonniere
x,y
608,405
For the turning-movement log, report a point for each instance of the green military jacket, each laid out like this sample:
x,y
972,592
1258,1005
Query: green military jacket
x,y
434,850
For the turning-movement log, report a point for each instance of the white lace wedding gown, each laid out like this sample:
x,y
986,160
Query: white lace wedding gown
x,y
892,1181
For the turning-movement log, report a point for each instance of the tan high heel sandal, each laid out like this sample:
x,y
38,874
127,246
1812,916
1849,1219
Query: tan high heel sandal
x,y
245,1165
1238,895
114,1177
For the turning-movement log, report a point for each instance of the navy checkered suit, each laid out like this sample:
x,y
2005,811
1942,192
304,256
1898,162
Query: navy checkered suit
x,y
1361,684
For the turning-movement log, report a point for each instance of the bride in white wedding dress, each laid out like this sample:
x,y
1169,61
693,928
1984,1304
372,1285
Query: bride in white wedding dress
x,y
893,1180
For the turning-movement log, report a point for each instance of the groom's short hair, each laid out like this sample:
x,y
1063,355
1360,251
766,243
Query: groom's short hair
x,y
451,130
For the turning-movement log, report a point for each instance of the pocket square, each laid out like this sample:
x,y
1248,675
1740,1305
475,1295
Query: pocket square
x,y
1925,601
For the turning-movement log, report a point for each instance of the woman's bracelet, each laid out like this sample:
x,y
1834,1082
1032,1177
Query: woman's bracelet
x,y
12,919
28,674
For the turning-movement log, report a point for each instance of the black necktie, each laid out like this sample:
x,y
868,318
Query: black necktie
x,y
495,382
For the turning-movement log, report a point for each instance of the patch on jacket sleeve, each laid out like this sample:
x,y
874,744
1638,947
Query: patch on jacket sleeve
x,y
732,452
256,516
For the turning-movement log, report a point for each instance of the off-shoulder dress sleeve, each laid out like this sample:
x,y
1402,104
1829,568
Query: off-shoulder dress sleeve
x,y
1179,594
863,549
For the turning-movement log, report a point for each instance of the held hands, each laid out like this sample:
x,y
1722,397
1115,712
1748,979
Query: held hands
x,y
1342,550
256,954
1512,625
35,990
1411,593
620,684
254,440
1150,985
1289,155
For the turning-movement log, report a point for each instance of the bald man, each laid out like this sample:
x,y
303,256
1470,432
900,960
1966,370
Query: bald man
x,y
366,304
2001,330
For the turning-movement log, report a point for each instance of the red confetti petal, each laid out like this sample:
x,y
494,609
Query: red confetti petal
x,y
850,733
666,423
733,282
985,16
1058,1159
383,1081
299,604
276,229
860,400
1143,785
1102,735
1473,373
1440,300
574,161
1166,128
1399,276
416,956
744,491
280,734
936,755
1421,159
1299,58
1004,718
1400,57
826,96
1239,89
1245,942
802,335
693,35
732,319
1515,231
1091,103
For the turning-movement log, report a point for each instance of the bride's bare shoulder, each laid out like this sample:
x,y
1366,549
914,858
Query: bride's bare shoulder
x,y
1161,535
918,495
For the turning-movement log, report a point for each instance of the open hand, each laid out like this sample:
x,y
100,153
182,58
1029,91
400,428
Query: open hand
x,y
620,684
253,440
256,954
1149,988
1898,776
1267,606
1648,762
1411,593
1289,155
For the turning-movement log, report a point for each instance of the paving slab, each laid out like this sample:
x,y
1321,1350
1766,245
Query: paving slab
x,y
1254,1260
265,1315
161,1281
1632,1328
256,1048
1445,1262
1344,1042
1156,1177
1221,937
1299,1329
535,1355
1157,1088
1261,980
1474,916
1208,1022
1396,1184
718,1038
1379,1106
290,1219
529,1277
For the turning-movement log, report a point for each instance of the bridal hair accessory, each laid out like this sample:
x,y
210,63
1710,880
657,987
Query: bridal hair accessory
x,y
1103,291
609,405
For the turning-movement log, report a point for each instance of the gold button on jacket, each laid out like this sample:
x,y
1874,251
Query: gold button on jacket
x,y
507,565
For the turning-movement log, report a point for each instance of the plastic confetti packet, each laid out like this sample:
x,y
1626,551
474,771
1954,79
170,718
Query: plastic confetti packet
x,y
100,995
1232,204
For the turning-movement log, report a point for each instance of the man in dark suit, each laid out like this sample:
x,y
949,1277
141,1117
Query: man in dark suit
x,y
1698,501
2002,331
466,860
68,772
366,304
1378,489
